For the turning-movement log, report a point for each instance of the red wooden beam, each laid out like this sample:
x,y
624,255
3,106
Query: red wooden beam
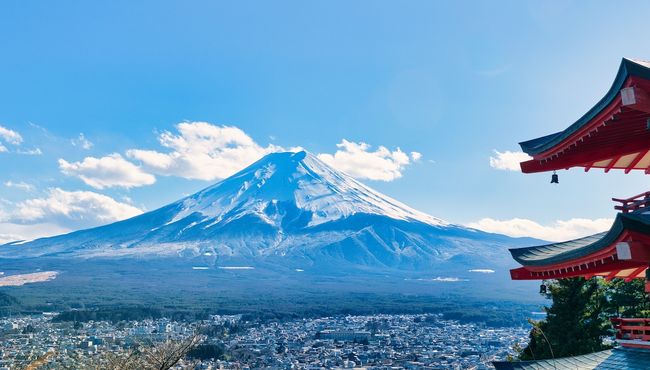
x,y
589,154
639,251
634,274
630,199
628,136
636,160
611,164
635,98
523,273
612,275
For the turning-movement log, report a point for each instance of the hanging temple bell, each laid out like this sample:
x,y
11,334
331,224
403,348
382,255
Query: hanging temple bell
x,y
555,179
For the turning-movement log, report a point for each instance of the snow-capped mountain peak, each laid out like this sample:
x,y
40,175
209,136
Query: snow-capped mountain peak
x,y
296,179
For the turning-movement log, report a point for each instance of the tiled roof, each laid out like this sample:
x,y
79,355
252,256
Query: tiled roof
x,y
627,68
614,359
549,254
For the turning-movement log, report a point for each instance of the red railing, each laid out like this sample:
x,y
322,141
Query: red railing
x,y
633,204
632,329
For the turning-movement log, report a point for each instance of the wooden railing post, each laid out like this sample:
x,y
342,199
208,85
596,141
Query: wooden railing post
x,y
632,329
634,203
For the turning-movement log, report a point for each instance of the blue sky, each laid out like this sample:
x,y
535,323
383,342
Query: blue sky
x,y
453,81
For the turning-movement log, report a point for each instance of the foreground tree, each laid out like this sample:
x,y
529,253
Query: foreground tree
x,y
627,299
575,322
160,356
168,354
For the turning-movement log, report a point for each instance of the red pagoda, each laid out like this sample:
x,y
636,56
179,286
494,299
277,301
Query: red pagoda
x,y
613,135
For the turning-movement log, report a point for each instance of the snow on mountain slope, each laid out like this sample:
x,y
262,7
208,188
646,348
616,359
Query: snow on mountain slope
x,y
285,209
300,178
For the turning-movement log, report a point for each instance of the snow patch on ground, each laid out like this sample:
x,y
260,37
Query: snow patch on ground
x,y
442,279
22,279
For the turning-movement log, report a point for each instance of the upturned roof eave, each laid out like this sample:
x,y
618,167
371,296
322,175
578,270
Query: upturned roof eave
x,y
563,252
627,68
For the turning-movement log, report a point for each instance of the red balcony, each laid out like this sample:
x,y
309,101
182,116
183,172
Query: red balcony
x,y
632,332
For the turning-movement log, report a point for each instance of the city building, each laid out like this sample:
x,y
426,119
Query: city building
x,y
349,335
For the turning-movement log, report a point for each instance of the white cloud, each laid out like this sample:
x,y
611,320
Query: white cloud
x,y
109,171
71,209
19,185
60,212
202,151
10,136
508,160
35,151
82,141
557,231
357,160
14,138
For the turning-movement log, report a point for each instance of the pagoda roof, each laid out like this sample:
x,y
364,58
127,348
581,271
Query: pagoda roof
x,y
590,256
559,252
612,134
618,358
628,67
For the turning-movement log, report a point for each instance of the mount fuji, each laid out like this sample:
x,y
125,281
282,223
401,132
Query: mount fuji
x,y
287,228
285,210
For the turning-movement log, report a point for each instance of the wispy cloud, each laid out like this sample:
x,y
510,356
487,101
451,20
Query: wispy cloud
x,y
358,160
35,151
508,160
105,172
19,185
82,142
10,136
560,230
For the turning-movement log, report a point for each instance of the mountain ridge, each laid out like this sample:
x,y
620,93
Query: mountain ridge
x,y
286,209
